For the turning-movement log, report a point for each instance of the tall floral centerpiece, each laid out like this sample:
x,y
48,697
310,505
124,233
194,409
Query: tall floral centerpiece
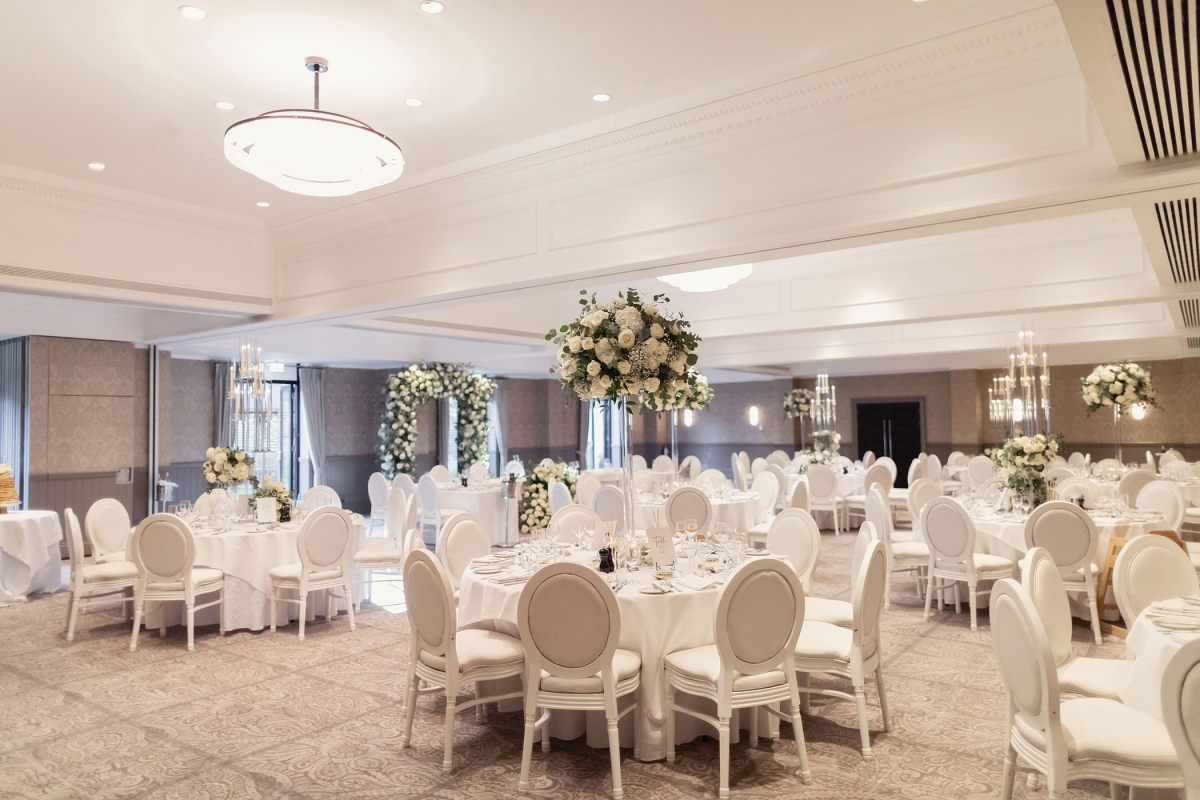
x,y
688,393
227,468
627,349
798,404
534,511
1023,462
1121,385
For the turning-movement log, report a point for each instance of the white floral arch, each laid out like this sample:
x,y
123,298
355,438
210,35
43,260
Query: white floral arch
x,y
409,388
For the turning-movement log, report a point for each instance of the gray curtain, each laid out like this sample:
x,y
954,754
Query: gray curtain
x,y
498,416
14,411
312,400
585,423
222,424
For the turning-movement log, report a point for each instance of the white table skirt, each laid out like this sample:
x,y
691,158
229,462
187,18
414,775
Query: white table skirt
x,y
651,625
740,514
30,560
1151,649
488,506
607,477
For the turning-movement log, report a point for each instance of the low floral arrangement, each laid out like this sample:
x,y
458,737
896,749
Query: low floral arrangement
x,y
8,489
810,457
627,347
798,403
1123,384
534,511
227,467
1023,462
690,392
409,388
827,442
269,487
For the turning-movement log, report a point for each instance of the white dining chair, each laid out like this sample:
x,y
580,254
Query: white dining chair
x,y
766,486
1133,482
609,504
781,482
711,480
514,469
1172,454
639,462
868,459
741,479
440,474
1107,465
461,540
1151,464
799,498
1072,489
445,657
377,493
757,466
933,469
570,625
689,468
919,494
664,464
1055,474
405,482
560,496
1148,569
324,545
1165,498
320,496
431,515
949,533
823,494
1176,470
645,481
916,471
979,469
744,460
412,510
877,475
107,525
1070,538
563,522
760,611
1089,738
586,488
851,652
990,490
1041,577
905,557
478,472
164,552
1180,701
90,584
794,534
891,466
687,503
202,508
384,554
1076,460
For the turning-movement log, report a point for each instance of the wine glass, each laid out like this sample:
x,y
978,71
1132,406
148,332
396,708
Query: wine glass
x,y
691,528
634,556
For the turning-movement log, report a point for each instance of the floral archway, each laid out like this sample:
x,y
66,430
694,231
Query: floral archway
x,y
409,388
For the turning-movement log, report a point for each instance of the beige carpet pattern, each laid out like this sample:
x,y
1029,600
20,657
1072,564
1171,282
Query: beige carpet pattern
x,y
262,715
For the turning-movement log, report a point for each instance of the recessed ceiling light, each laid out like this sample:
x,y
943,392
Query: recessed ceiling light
x,y
192,13
224,106
433,7
96,166
602,97
414,102
261,204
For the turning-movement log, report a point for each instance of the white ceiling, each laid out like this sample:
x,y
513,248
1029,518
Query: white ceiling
x,y
914,182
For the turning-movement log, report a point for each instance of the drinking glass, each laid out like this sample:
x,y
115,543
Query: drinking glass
x,y
1122,504
681,529
691,528
634,555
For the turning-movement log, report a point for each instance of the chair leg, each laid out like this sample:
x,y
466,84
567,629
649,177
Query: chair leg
x,y
448,752
803,679
410,706
274,601
957,602
801,747
546,733
723,729
221,609
860,696
752,726
349,607
191,623
303,613
162,625
137,623
527,751
929,598
883,703
973,600
670,722
72,615
1010,759
614,756
1095,611
359,593
774,734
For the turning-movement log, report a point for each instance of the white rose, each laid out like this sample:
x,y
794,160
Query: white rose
x,y
574,343
210,477
209,453
623,367
593,368
241,456
650,309
626,338
656,331
679,364
651,384
1093,379
1116,389
587,343
605,381
675,329
620,302
220,457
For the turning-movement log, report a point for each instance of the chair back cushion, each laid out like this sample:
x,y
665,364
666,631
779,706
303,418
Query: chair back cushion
x,y
766,486
1042,582
609,504
689,503
430,603
515,468
891,466
868,459
867,596
879,514
711,480
394,513
377,491
759,613
822,482
440,473
980,468
107,524
569,620
920,493
1149,569
162,548
586,488
411,507
663,463
916,471
326,536
639,462
1066,532
1133,482
564,520
757,466
799,497
794,533
405,482
1180,701
1165,498
1026,663
948,531
933,468
560,496
427,493
689,468
461,539
878,475
319,496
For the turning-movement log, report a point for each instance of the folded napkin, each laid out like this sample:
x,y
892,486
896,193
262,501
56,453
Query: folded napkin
x,y
507,580
485,560
698,582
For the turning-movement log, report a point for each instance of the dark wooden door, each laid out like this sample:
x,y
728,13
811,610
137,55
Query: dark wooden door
x,y
893,430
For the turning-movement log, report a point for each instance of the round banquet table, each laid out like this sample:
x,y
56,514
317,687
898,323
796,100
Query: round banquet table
x,y
651,625
608,476
30,560
740,512
1151,649
486,504
246,553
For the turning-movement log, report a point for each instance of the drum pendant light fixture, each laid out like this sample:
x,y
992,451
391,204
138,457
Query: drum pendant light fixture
x,y
314,152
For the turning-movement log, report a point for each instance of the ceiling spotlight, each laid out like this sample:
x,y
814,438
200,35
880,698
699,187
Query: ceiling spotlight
x,y
224,106
192,14
261,204
708,280
602,97
433,7
414,102
313,152
96,166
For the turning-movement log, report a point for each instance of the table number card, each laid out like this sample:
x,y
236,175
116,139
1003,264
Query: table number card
x,y
266,509
662,548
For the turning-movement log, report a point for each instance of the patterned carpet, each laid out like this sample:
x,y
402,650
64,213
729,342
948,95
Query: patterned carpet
x,y
261,715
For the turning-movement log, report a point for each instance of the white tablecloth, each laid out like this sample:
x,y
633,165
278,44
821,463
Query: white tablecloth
x,y
608,477
30,560
1151,649
739,513
652,625
488,506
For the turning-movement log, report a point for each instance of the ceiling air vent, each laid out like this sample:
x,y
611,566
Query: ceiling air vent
x,y
1194,342
1190,310
1156,41
1180,227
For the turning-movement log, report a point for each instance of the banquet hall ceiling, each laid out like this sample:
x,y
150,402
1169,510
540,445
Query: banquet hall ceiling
x,y
913,181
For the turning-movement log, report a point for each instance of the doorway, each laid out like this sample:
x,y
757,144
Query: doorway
x,y
893,430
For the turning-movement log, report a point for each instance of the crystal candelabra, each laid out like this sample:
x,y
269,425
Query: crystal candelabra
x,y
1020,400
824,410
249,397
